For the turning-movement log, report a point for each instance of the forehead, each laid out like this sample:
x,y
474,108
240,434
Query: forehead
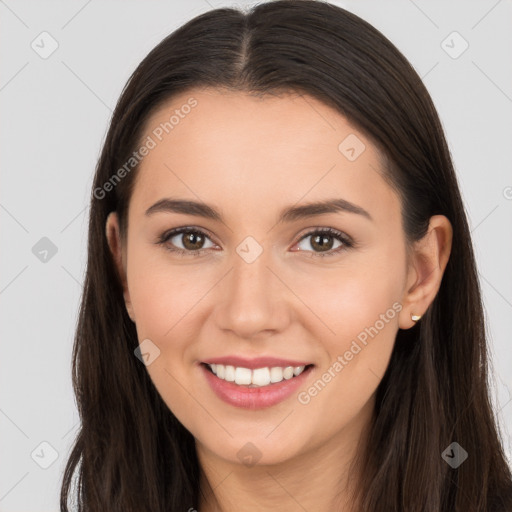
x,y
255,152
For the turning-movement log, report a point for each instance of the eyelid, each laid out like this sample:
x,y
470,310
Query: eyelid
x,y
325,229
347,241
171,233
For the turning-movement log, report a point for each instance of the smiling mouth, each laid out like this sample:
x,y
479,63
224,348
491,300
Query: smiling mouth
x,y
257,377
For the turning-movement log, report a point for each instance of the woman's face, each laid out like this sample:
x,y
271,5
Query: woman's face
x,y
257,280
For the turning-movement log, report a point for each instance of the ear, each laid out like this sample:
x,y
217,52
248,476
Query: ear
x,y
427,262
113,234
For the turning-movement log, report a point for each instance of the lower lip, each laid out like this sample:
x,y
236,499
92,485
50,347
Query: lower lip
x,y
254,398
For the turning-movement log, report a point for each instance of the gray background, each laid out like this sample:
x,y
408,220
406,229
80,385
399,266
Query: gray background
x,y
55,113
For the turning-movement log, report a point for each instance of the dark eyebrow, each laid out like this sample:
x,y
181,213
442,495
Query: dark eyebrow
x,y
328,206
288,214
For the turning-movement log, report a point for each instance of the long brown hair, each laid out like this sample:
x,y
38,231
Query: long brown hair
x,y
131,453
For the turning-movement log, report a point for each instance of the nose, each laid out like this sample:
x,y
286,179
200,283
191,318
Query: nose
x,y
253,302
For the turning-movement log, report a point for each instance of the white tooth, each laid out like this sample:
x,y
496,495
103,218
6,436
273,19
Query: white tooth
x,y
221,371
230,373
276,374
288,372
258,377
243,376
261,376
298,370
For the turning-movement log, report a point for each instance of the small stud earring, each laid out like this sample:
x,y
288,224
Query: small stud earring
x,y
415,318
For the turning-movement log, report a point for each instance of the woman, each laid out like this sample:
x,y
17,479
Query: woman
x,y
281,308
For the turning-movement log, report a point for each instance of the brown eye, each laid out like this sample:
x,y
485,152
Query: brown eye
x,y
188,241
323,241
185,241
192,240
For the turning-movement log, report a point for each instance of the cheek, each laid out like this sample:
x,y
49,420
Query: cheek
x,y
361,306
163,295
363,313
353,301
165,300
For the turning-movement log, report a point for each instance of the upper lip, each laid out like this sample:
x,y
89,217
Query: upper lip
x,y
257,362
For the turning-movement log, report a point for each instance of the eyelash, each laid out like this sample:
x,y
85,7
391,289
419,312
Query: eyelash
x,y
347,242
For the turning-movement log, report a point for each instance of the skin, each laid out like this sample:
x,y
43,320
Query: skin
x,y
250,157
